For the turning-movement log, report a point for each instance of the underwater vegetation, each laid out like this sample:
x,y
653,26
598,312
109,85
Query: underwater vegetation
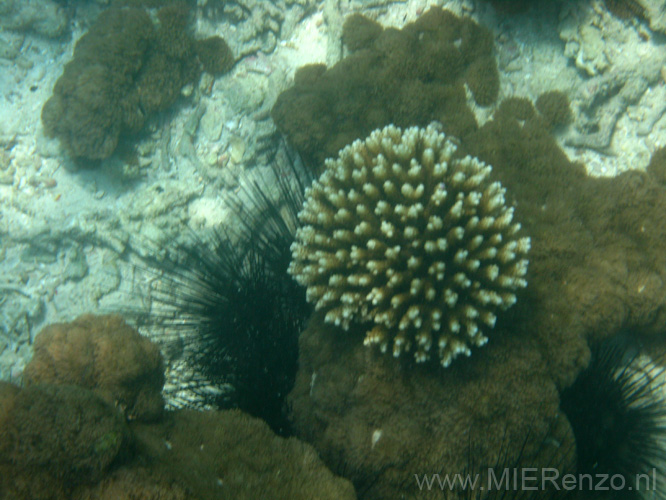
x,y
124,70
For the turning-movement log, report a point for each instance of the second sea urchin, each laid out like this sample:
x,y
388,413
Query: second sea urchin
x,y
617,411
400,233
235,312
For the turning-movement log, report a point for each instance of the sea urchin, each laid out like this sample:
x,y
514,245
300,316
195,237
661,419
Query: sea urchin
x,y
618,416
234,306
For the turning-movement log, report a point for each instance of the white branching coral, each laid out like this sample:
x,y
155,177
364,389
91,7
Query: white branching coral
x,y
399,233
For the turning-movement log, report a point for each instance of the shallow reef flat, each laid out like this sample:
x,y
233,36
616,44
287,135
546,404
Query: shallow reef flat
x,y
565,100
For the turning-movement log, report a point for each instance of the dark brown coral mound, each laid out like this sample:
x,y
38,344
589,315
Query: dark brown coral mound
x,y
228,454
554,108
104,354
379,424
402,77
359,32
124,70
657,166
215,55
64,442
136,483
64,432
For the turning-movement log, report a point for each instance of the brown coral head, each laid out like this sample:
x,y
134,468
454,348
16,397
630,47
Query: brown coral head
x,y
400,233
106,355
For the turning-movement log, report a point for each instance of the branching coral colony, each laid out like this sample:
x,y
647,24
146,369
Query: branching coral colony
x,y
400,233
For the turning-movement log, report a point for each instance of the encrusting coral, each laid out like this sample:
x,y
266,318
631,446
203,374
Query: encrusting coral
x,y
554,108
401,233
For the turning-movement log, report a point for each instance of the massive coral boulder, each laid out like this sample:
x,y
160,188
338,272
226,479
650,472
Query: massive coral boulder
x,y
138,482
228,454
124,70
104,354
405,77
380,423
60,441
57,431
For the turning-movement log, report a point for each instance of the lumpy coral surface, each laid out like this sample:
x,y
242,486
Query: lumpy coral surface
x,y
400,234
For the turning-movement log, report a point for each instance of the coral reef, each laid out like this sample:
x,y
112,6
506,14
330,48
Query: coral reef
x,y
651,11
620,66
626,9
597,266
405,77
253,26
124,70
237,456
378,425
59,431
64,442
655,12
604,98
359,32
214,54
103,354
135,483
400,233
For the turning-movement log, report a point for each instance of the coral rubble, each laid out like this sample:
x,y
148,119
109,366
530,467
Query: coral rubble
x,y
44,17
